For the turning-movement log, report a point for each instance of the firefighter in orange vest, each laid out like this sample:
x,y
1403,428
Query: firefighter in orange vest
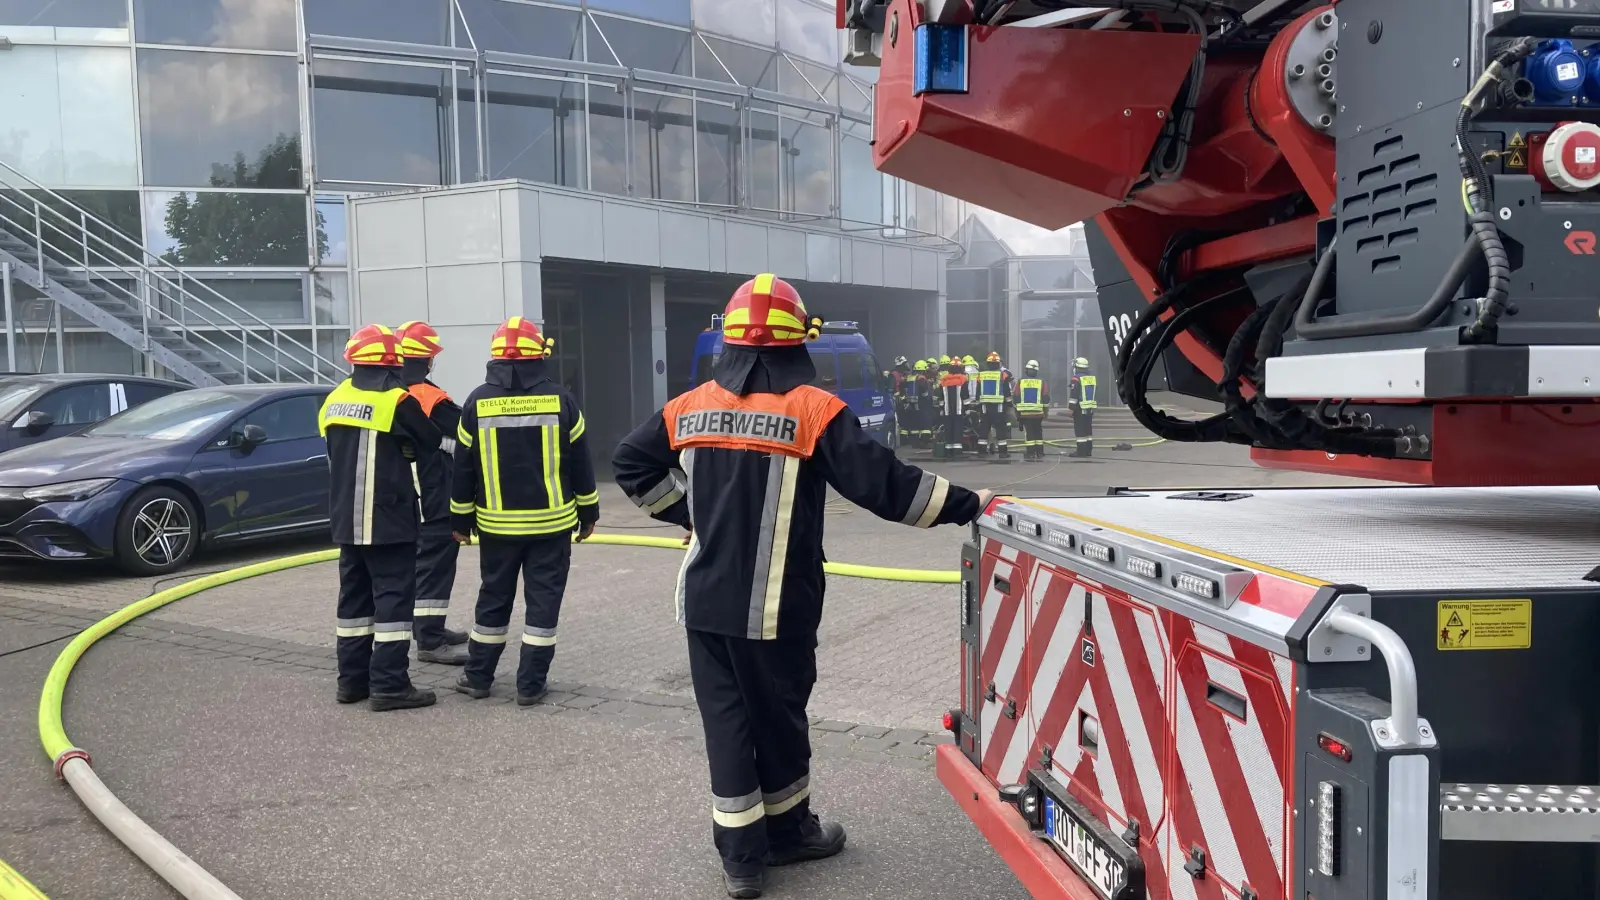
x,y
436,549
952,399
374,428
745,462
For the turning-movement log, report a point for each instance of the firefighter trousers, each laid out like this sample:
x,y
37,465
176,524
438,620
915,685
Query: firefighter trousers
x,y
377,589
752,697
1083,431
543,563
1033,436
436,575
953,426
996,428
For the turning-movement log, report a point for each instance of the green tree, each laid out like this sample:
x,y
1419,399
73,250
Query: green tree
x,y
234,229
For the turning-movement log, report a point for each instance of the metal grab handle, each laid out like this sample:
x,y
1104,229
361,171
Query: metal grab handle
x,y
1402,670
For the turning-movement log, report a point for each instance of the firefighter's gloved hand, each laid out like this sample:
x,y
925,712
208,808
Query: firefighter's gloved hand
x,y
585,531
460,538
688,537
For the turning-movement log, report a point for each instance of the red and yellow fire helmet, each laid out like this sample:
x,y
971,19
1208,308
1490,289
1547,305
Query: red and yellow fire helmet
x,y
373,345
418,340
766,311
520,338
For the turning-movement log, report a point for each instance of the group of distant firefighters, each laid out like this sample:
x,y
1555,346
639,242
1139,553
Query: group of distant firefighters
x,y
940,403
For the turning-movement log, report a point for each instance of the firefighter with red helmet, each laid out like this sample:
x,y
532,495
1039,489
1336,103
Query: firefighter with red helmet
x,y
994,393
374,429
524,482
744,462
436,549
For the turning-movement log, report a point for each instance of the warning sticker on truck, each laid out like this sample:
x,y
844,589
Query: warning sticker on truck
x,y
1485,624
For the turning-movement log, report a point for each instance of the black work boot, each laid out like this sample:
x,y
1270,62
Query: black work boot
x,y
464,685
444,654
351,693
416,698
454,638
744,887
531,699
817,840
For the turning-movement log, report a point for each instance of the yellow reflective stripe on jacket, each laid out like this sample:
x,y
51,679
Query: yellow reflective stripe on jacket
x,y
551,436
463,437
352,406
577,429
588,499
1030,395
489,462
520,523
460,508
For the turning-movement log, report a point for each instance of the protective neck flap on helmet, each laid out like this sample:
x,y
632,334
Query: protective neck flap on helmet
x,y
376,378
415,369
770,370
516,374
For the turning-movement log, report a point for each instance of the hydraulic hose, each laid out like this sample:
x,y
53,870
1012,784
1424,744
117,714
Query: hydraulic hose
x,y
177,869
1308,328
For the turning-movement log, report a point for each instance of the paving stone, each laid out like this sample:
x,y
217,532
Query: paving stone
x,y
873,745
830,725
582,702
831,739
913,751
868,731
906,735
934,740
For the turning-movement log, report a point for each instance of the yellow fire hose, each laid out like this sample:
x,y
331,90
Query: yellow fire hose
x,y
183,873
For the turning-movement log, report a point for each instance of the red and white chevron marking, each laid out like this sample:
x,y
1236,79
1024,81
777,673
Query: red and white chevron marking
x,y
1188,772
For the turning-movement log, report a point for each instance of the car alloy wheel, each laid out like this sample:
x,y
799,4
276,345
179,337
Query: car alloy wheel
x,y
161,532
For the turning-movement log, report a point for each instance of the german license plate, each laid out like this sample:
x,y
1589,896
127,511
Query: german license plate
x,y
1106,867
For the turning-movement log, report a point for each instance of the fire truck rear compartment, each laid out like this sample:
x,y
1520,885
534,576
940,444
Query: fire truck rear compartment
x,y
1216,724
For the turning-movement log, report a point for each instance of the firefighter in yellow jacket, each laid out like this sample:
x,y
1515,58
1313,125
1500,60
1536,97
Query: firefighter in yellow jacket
x,y
524,482
374,429
745,461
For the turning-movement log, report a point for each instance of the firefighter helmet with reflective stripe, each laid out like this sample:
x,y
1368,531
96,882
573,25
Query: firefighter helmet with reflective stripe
x,y
419,340
994,356
373,345
766,311
519,338
900,361
1032,364
944,360
920,366
1081,362
968,360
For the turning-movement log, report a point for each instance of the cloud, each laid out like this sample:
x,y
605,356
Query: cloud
x,y
1031,240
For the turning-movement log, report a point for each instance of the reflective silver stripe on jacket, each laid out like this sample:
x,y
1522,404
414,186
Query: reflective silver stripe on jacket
x,y
932,491
772,548
686,461
519,421
448,444
349,628
737,812
363,499
667,491
383,632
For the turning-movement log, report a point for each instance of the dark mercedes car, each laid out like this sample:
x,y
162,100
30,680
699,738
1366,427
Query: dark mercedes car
x,y
150,486
36,408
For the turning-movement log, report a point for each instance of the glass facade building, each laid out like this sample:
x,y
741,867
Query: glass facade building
x,y
227,135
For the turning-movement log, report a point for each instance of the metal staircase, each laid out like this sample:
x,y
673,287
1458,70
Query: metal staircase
x,y
109,279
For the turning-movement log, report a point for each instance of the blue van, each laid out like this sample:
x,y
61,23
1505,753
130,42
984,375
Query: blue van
x,y
845,365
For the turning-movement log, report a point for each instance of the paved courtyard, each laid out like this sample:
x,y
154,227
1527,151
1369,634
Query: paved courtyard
x,y
213,718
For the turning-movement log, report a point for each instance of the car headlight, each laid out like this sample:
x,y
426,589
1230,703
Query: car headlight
x,y
69,490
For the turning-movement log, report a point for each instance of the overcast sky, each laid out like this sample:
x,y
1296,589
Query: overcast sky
x,y
1025,239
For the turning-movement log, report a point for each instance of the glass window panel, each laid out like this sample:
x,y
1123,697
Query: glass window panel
x,y
535,129
967,316
925,211
331,298
333,236
207,116
808,31
651,48
115,239
718,139
608,140
674,11
663,146
68,115
827,366
218,228
292,418
412,21
867,74
750,66
852,374
801,79
255,25
861,185
1048,274
273,299
949,216
765,161
1055,312
974,345
808,175
387,124
519,28
50,20
967,284
751,20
